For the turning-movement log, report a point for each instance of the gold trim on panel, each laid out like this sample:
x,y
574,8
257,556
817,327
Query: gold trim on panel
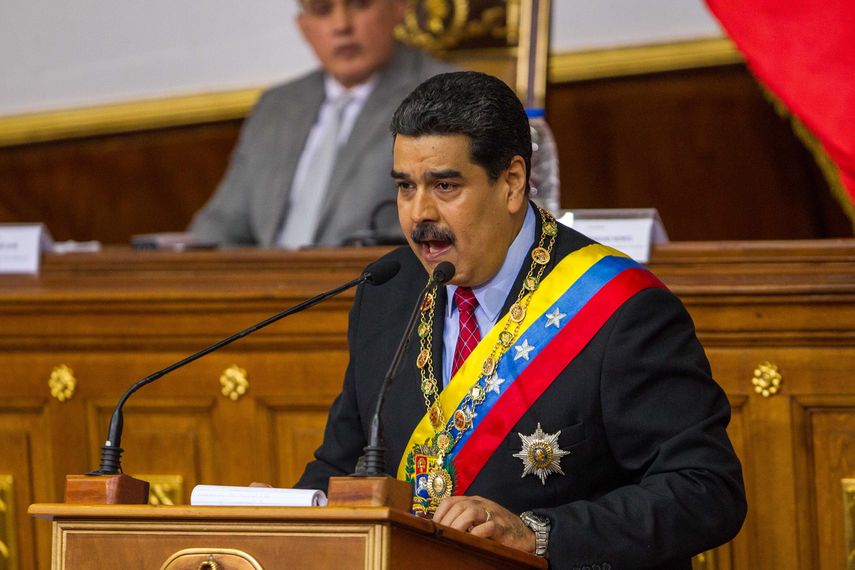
x,y
164,489
639,60
8,541
234,381
849,517
211,562
62,382
124,117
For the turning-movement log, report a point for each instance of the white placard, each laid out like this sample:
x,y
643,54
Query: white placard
x,y
631,231
21,246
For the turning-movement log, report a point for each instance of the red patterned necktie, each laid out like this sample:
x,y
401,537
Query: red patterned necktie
x,y
469,335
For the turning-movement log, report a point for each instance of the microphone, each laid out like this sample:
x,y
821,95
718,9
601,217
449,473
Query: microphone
x,y
377,273
373,462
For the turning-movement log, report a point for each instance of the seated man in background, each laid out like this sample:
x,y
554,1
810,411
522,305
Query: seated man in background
x,y
313,158
554,397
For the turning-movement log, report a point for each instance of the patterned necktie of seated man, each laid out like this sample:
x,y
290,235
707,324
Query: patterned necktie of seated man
x,y
304,212
469,335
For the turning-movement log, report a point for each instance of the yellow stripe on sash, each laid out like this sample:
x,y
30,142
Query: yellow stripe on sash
x,y
555,284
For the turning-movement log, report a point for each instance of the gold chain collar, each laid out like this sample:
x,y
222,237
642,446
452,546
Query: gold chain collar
x,y
477,393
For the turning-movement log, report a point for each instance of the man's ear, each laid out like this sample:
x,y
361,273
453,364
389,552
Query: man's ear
x,y
515,178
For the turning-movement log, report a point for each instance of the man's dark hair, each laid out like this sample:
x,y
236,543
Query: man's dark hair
x,y
473,104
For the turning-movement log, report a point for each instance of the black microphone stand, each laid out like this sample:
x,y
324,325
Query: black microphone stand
x,y
111,451
373,462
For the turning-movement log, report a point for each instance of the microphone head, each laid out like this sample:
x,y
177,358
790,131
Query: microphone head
x,y
381,271
443,273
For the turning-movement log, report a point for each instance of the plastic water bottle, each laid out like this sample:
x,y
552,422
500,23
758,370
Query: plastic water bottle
x,y
545,183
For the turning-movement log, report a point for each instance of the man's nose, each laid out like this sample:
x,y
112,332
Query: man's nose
x,y
341,17
424,207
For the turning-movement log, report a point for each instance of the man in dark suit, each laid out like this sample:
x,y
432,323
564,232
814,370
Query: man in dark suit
x,y
555,397
285,186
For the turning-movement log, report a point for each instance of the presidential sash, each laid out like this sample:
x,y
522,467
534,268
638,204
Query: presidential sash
x,y
565,312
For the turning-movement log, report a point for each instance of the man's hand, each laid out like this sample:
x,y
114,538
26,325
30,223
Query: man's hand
x,y
482,517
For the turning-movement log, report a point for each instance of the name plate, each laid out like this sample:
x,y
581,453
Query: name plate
x,y
21,246
631,231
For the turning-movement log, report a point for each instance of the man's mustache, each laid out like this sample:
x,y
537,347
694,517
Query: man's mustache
x,y
431,232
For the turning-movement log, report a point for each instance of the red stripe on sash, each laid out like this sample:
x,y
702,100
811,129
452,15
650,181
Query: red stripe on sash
x,y
543,370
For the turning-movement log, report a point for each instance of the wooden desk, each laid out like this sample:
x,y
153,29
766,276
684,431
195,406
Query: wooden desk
x,y
114,317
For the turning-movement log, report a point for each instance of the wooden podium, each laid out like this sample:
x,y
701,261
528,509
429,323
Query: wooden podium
x,y
95,537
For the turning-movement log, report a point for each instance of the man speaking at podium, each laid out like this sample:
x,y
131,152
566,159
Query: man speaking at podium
x,y
554,397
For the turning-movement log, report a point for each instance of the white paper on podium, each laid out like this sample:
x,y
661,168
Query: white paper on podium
x,y
229,496
630,230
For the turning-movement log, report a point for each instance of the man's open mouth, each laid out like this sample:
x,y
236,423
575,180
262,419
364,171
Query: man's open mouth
x,y
434,241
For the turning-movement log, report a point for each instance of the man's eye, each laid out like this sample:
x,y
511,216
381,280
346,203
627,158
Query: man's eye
x,y
318,8
445,186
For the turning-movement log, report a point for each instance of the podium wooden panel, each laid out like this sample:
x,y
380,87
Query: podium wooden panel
x,y
145,537
115,317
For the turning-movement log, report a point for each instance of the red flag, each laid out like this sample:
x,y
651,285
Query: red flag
x,y
803,51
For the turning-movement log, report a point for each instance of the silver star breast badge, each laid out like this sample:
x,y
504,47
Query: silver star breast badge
x,y
540,454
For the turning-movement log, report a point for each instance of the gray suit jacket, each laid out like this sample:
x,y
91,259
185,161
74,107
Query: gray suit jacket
x,y
251,202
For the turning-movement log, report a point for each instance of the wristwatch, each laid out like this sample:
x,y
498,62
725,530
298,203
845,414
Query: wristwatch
x,y
540,526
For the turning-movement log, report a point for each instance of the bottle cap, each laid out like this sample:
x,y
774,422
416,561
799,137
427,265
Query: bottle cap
x,y
534,113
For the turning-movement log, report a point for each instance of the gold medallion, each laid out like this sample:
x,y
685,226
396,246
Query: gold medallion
x,y
550,228
530,283
462,421
427,386
443,441
517,313
506,338
540,255
435,417
427,304
423,358
540,454
439,483
488,366
476,391
424,329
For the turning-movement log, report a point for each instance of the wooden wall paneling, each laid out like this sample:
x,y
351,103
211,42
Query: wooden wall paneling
x,y
703,146
825,425
785,478
113,186
25,456
736,554
291,429
175,436
765,449
119,315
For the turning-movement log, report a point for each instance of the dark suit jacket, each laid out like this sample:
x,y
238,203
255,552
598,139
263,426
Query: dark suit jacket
x,y
652,478
252,199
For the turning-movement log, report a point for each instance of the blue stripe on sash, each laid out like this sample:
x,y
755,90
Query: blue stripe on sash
x,y
538,335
